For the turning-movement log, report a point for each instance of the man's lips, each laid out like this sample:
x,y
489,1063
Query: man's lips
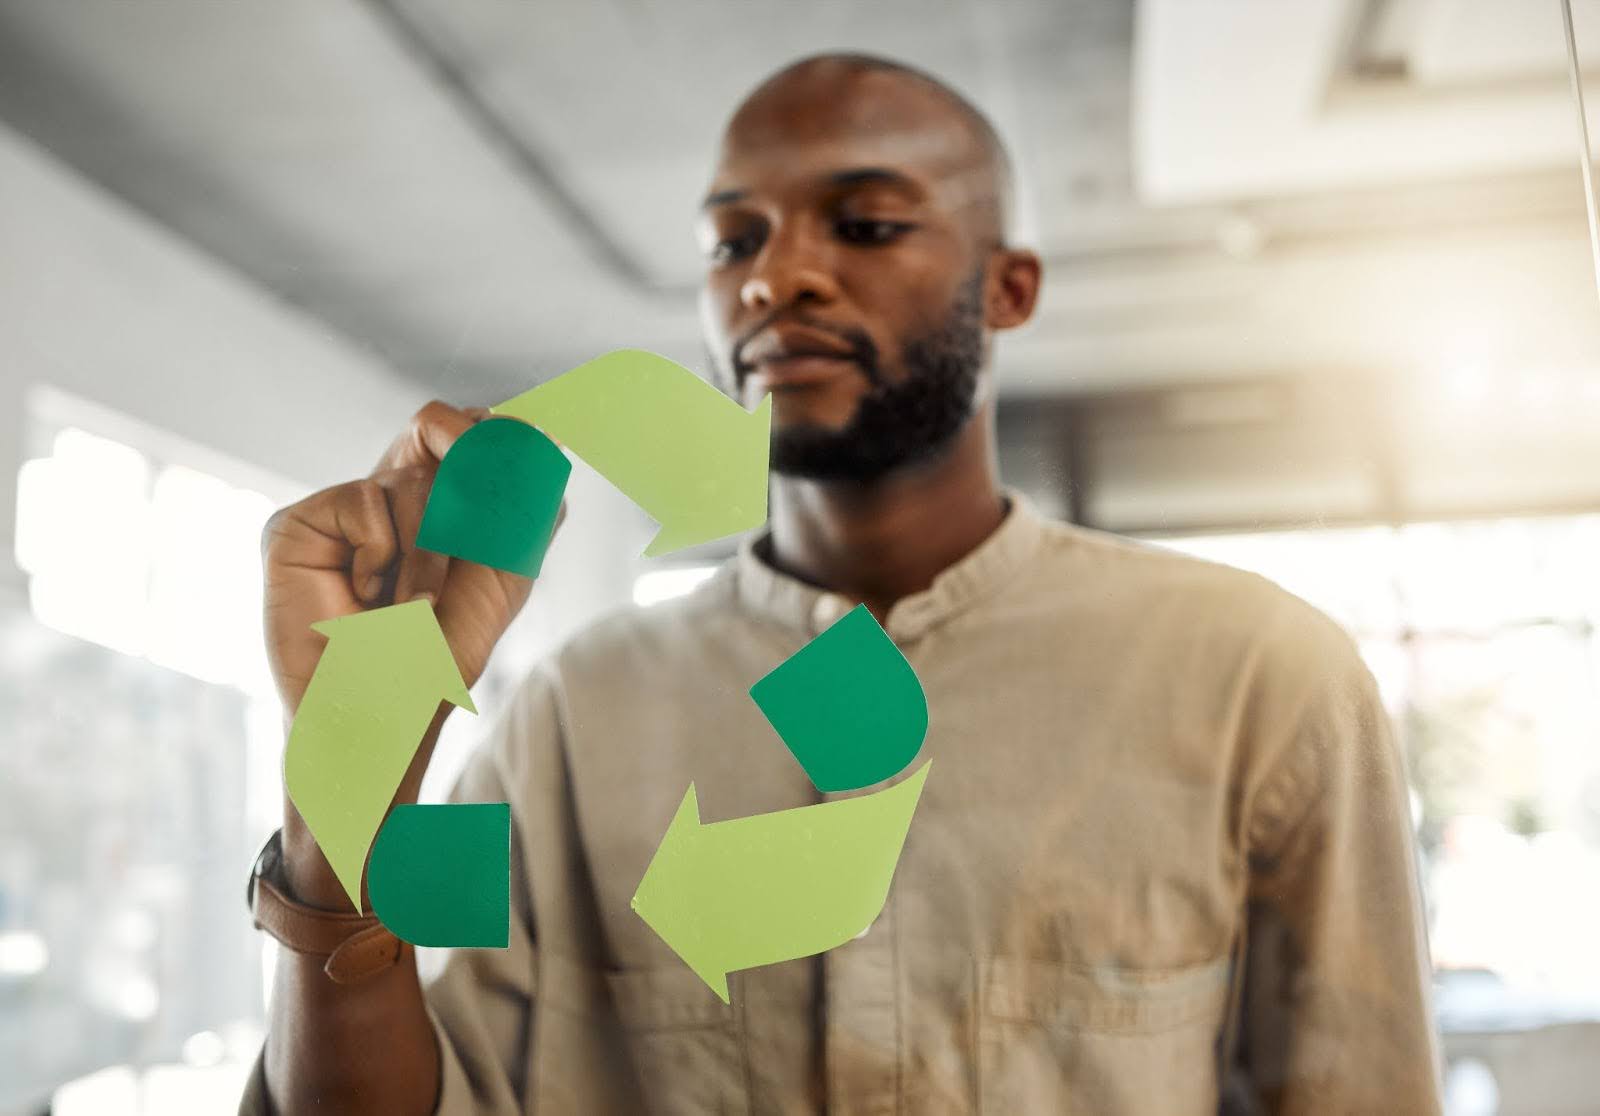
x,y
800,369
788,354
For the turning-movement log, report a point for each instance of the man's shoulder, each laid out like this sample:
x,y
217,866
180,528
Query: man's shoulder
x,y
1150,570
1210,597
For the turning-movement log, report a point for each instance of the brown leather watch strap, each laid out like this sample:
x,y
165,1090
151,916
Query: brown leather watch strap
x,y
356,945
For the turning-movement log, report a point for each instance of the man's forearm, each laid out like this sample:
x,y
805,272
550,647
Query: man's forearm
x,y
359,1048
356,1049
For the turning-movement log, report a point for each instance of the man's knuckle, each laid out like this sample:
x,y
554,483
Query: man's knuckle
x,y
367,494
272,531
431,413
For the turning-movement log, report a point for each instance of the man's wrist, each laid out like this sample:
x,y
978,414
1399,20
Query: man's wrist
x,y
304,874
354,946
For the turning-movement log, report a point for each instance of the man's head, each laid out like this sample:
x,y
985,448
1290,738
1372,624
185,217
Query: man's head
x,y
855,233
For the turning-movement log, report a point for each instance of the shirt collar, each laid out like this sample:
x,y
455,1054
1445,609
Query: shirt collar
x,y
992,563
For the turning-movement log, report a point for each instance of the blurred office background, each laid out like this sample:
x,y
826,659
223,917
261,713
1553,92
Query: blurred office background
x,y
1318,302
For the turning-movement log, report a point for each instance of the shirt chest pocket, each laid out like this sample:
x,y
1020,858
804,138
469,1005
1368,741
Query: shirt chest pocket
x,y
1058,1038
684,1043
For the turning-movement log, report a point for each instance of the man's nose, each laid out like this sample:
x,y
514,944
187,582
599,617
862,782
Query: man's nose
x,y
788,271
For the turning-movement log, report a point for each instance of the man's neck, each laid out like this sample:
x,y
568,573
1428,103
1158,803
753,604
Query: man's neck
x,y
879,542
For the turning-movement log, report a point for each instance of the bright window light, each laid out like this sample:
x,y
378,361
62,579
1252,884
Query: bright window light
x,y
82,532
205,586
663,585
112,1091
22,954
150,559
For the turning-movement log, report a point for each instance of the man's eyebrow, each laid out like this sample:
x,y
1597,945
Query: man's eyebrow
x,y
723,197
860,176
853,176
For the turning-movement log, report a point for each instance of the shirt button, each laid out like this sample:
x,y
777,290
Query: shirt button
x,y
828,610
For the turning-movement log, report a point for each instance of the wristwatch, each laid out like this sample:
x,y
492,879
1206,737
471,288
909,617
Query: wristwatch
x,y
356,946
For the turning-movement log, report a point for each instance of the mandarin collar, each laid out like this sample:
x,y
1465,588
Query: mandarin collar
x,y
992,563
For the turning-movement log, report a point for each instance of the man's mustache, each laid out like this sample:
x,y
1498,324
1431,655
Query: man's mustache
x,y
862,348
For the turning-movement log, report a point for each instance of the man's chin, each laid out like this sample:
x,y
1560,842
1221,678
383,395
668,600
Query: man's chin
x,y
822,453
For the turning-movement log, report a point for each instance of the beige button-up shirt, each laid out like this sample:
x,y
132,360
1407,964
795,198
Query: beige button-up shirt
x,y
1146,766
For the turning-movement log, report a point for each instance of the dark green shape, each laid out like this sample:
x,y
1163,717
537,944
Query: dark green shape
x,y
847,704
496,497
441,875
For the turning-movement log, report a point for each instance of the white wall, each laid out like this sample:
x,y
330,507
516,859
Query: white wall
x,y
99,301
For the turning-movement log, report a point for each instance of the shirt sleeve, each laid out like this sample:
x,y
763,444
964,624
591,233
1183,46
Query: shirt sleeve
x,y
1336,1014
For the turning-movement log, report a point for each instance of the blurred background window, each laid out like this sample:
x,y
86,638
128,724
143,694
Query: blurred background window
x,y
152,559
141,763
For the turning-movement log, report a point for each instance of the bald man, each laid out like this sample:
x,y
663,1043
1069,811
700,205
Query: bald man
x,y
1162,864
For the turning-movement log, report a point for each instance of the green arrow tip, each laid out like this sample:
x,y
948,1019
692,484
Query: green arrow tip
x,y
731,494
669,900
405,632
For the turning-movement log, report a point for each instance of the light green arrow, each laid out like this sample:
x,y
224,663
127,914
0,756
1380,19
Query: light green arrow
x,y
692,458
773,887
376,688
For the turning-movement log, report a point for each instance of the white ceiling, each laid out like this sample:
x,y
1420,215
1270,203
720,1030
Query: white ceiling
x,y
486,193
1472,42
1479,87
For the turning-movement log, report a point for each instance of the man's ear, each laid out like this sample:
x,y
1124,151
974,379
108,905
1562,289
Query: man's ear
x,y
1012,289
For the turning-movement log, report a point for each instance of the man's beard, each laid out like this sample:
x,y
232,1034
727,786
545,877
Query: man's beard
x,y
899,424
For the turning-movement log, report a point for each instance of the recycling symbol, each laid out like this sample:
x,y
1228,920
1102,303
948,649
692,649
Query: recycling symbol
x,y
725,896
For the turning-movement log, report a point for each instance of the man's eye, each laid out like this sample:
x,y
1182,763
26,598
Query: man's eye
x,y
733,248
853,231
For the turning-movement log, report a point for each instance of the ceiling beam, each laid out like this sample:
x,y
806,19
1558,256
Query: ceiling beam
x,y
522,157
